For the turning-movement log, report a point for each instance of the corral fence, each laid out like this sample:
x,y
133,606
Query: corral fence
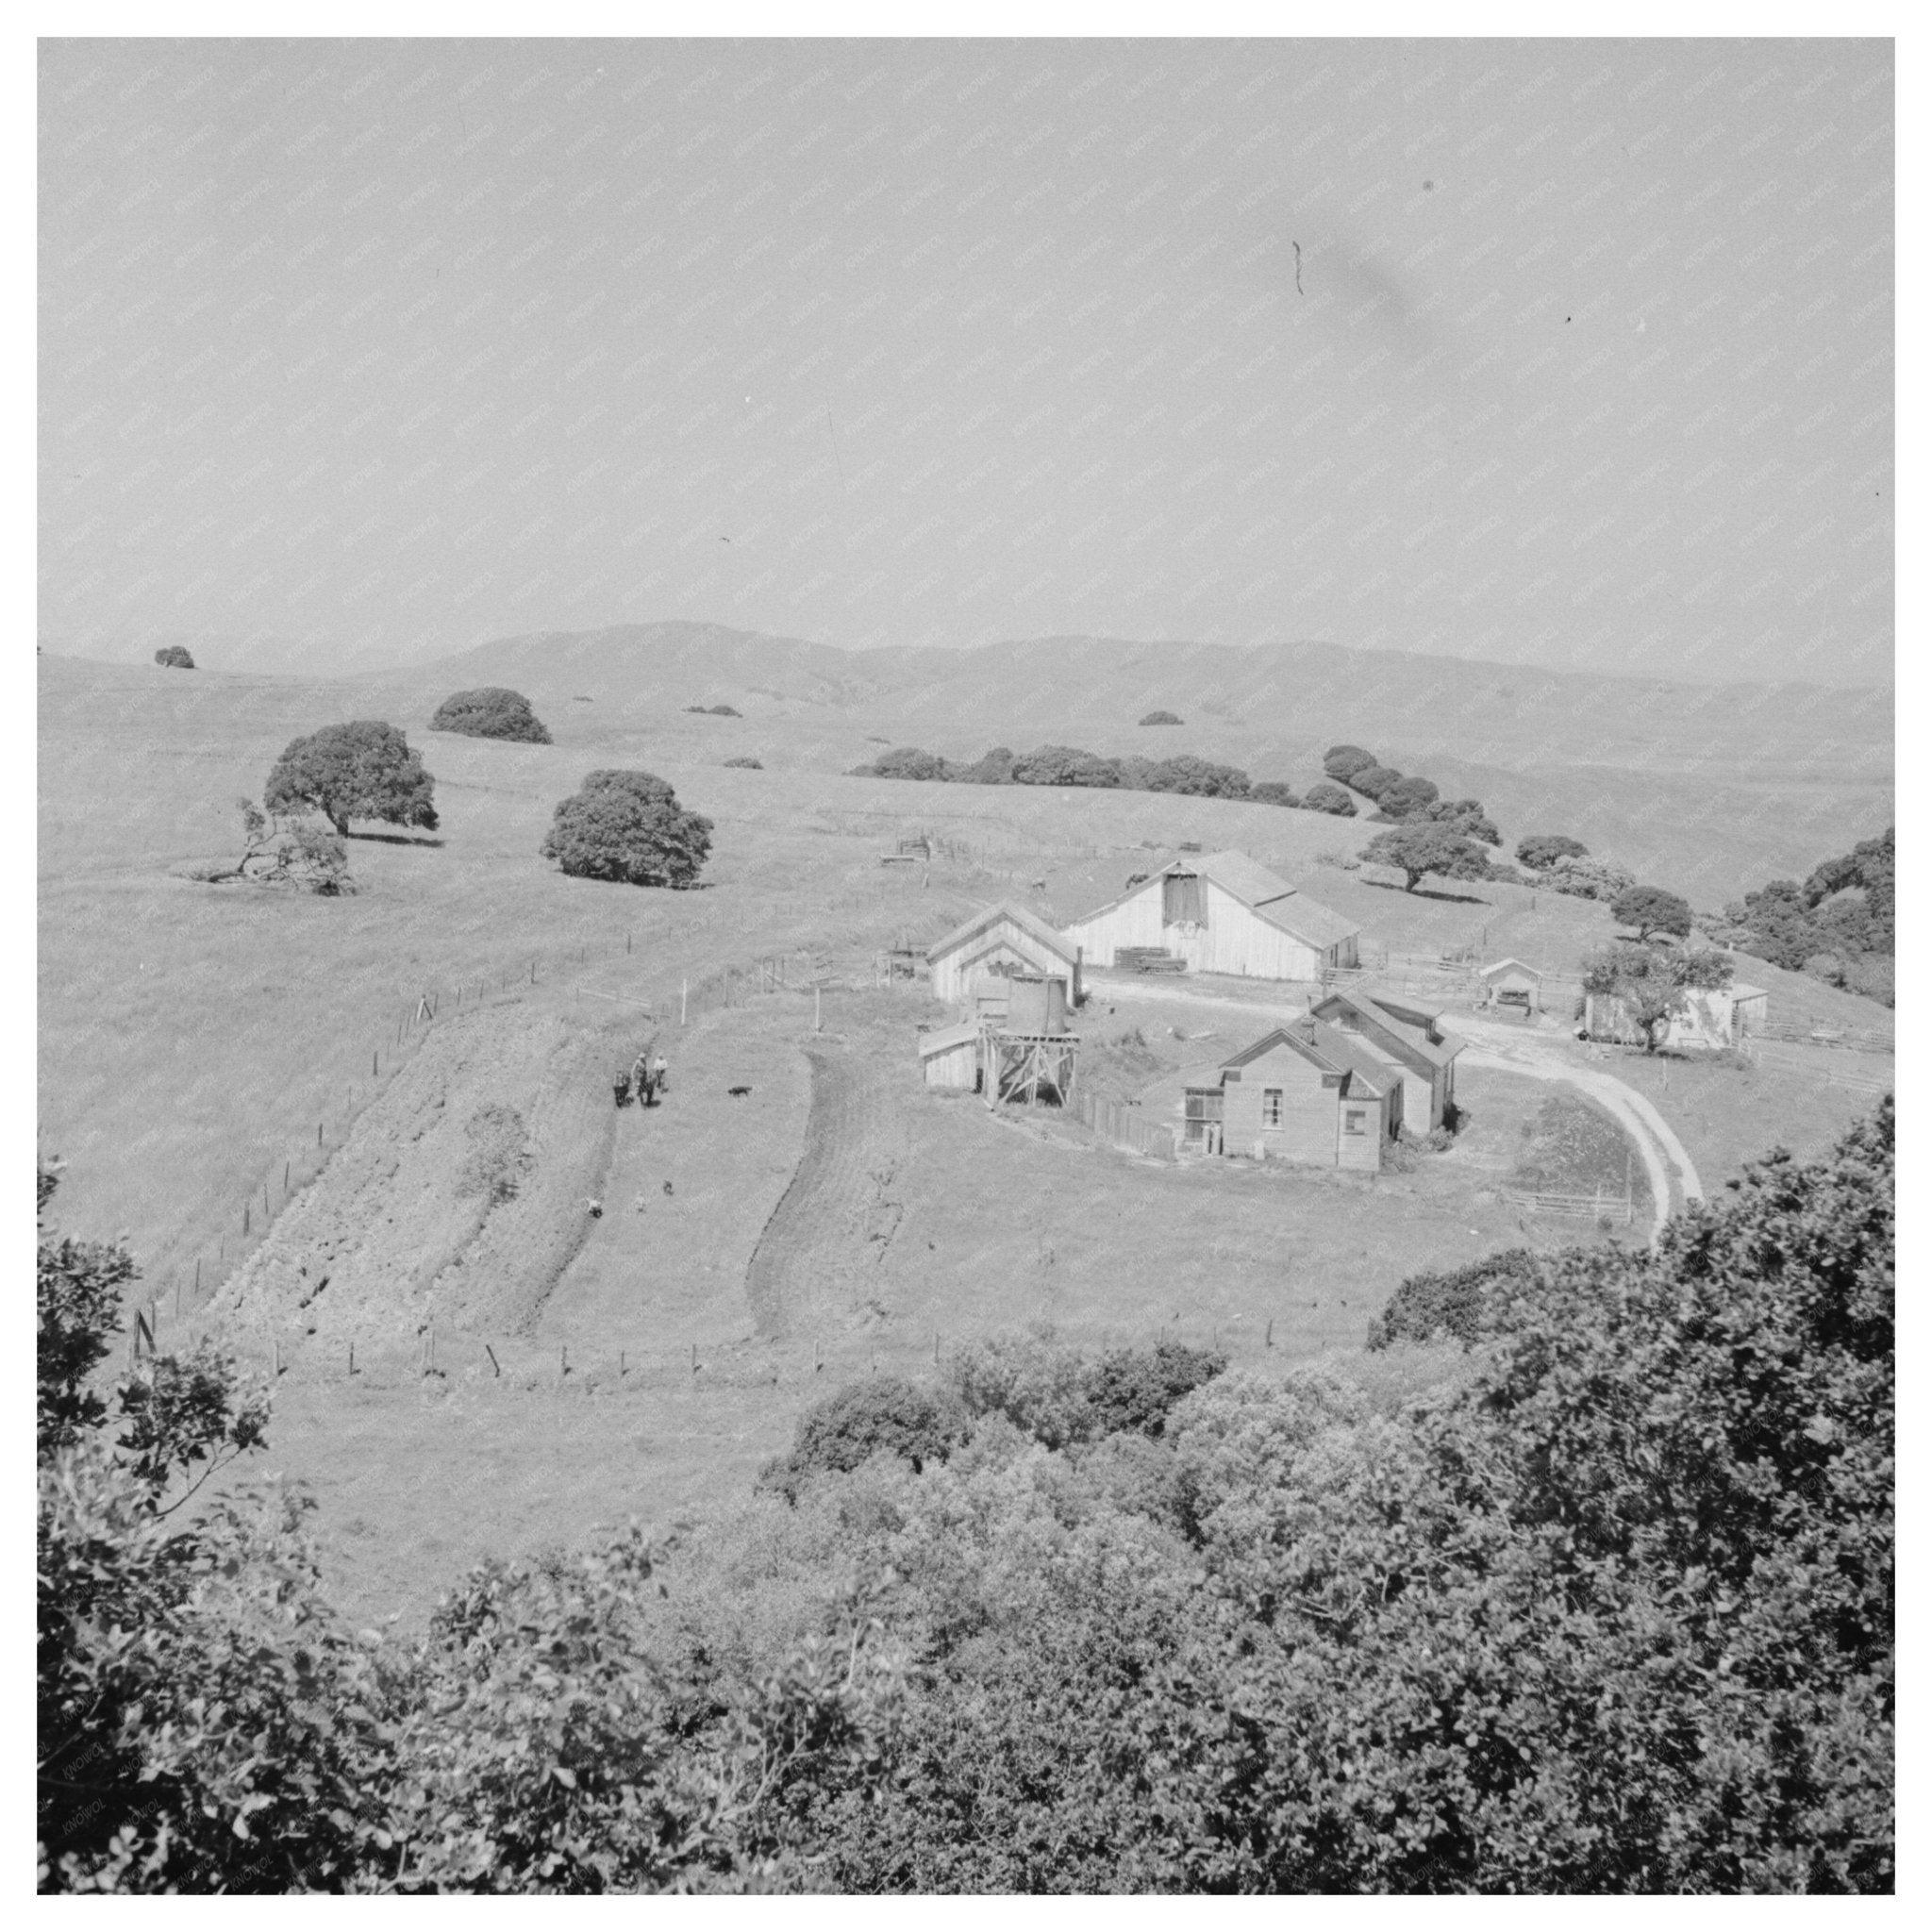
x,y
1125,1125
1597,1207
1804,1033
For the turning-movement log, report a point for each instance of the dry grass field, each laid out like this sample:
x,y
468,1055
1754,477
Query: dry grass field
x,y
419,1188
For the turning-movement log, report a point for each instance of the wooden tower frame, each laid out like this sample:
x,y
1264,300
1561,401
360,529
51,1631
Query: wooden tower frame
x,y
1028,1067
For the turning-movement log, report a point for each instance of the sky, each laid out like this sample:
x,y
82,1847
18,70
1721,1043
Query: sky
x,y
1575,353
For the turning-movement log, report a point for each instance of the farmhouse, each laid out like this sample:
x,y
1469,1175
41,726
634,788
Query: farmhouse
x,y
1307,1092
979,956
1711,1020
1221,913
1407,1040
1512,986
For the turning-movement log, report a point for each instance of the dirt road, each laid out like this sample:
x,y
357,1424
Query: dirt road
x,y
1673,1175
823,1244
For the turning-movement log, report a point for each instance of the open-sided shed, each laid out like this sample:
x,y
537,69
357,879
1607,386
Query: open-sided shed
x,y
1511,986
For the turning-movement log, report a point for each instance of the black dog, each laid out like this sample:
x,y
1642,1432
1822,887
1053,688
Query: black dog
x,y
738,1092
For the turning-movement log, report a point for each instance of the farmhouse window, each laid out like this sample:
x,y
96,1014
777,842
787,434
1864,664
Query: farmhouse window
x,y
1271,1107
1203,1116
1352,1121
1180,899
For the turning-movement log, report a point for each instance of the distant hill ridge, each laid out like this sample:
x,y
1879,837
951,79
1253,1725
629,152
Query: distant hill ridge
x,y
1023,690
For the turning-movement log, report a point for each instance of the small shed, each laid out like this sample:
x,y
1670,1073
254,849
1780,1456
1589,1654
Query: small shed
x,y
1512,986
949,1057
983,953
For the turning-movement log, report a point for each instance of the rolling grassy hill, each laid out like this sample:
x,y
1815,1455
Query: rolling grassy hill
x,y
1707,789
194,1038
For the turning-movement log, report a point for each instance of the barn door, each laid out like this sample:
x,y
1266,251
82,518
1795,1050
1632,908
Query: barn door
x,y
1180,899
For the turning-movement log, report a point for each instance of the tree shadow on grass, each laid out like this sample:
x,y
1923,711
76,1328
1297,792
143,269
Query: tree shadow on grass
x,y
394,839
1419,893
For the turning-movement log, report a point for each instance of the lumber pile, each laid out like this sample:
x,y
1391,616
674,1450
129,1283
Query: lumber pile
x,y
1147,959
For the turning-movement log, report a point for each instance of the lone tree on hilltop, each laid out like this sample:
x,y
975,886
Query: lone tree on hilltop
x,y
1342,761
1651,909
628,828
175,658
1542,850
1160,718
1417,851
364,770
489,711
1329,798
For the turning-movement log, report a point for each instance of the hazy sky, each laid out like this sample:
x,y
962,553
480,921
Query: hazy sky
x,y
1572,353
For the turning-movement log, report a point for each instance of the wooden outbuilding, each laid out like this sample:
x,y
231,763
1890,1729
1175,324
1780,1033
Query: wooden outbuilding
x,y
1409,1042
981,955
1711,1020
1305,1092
1221,912
1512,986
950,1057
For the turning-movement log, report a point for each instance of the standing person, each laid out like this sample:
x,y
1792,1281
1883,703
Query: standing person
x,y
621,1087
660,1073
641,1078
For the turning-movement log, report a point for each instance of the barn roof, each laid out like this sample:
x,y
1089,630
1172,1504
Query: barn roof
x,y
1503,965
944,1038
1029,922
1265,894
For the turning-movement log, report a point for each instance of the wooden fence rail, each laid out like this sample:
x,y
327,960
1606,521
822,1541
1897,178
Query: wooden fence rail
x,y
1597,1207
1125,1126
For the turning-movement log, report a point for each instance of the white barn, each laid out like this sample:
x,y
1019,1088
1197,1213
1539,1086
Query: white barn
x,y
981,956
1221,912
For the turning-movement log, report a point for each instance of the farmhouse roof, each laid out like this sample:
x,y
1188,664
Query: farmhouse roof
x,y
1503,965
1413,1033
944,1038
1327,1046
1029,922
1265,894
1738,990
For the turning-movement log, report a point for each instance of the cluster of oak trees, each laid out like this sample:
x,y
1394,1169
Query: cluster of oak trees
x,y
621,825
1611,1610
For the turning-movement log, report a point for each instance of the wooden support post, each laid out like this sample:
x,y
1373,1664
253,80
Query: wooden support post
x,y
817,1018
374,1068
496,1368
318,1133
286,1165
563,1359
352,1358
244,1220
197,1278
622,1369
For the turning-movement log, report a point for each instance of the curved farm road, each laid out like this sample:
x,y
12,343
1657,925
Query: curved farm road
x,y
1509,1050
818,1252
